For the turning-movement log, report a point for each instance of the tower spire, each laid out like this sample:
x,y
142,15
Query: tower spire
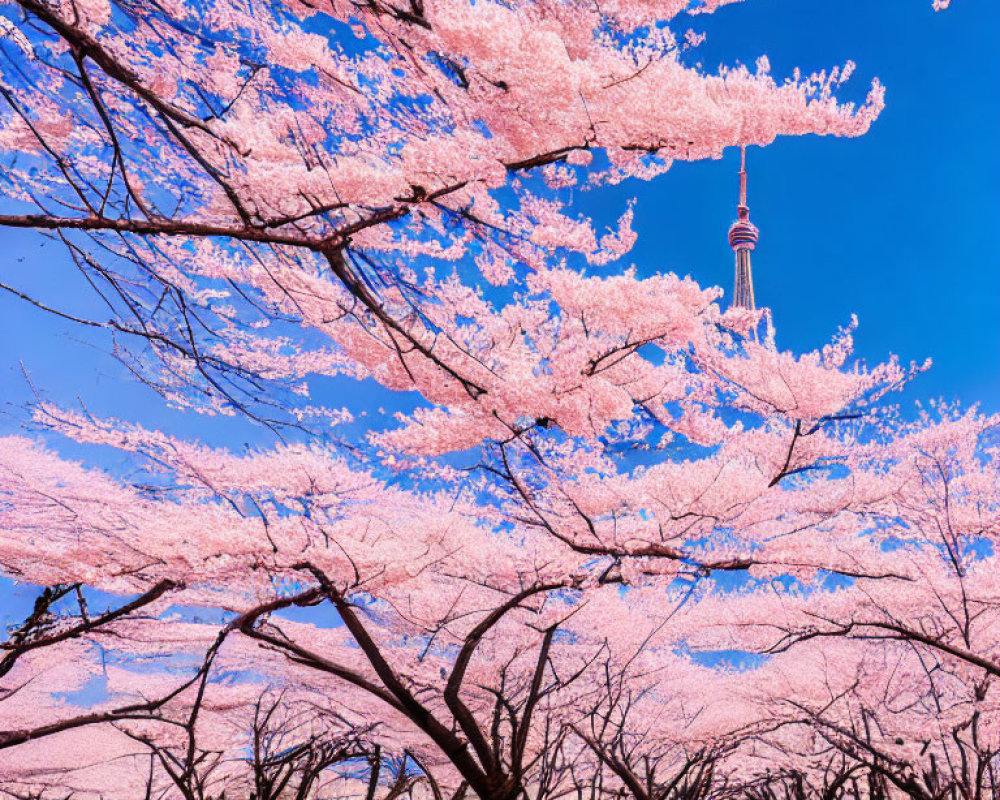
x,y
743,180
743,237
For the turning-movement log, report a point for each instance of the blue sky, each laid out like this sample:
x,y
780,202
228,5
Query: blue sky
x,y
901,227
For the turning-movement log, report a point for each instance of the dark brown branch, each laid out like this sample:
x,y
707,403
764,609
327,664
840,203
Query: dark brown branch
x,y
18,649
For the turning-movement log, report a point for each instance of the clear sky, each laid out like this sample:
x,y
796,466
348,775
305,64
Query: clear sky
x,y
901,227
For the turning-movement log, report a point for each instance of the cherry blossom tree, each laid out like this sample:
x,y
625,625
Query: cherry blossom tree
x,y
504,592
903,667
218,171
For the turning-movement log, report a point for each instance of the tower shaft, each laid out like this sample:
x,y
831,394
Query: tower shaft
x,y
743,285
